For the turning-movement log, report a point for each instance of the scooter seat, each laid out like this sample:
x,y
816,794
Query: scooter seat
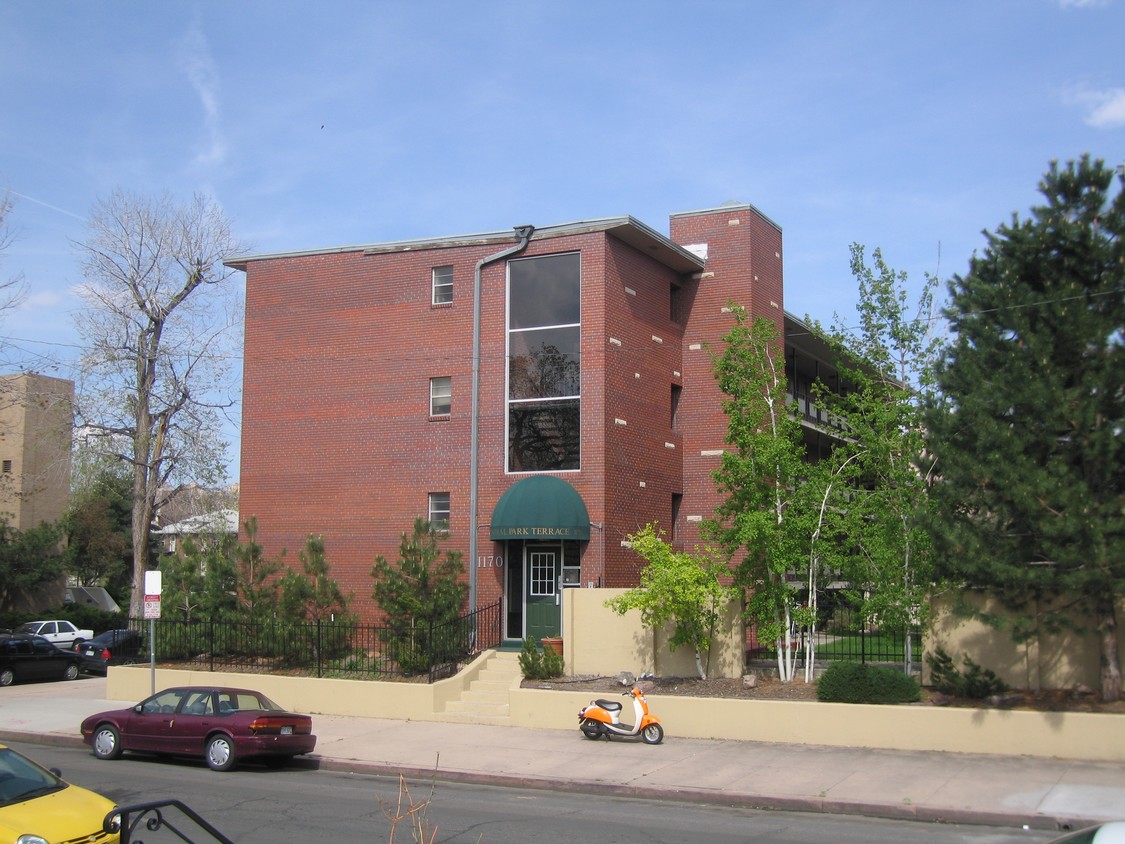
x,y
609,705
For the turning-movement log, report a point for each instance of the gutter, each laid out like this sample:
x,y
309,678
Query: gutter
x,y
524,234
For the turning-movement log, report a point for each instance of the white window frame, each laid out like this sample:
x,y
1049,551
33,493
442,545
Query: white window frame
x,y
441,395
441,285
439,510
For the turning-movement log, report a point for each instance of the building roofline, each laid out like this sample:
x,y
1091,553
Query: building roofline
x,y
625,228
728,206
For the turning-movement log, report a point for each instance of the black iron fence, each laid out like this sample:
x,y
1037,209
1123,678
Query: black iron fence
x,y
845,636
428,651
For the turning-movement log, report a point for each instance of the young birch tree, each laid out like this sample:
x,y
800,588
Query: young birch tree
x,y
885,366
159,329
762,477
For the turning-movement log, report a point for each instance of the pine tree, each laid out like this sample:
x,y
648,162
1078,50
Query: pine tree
x,y
422,597
1029,432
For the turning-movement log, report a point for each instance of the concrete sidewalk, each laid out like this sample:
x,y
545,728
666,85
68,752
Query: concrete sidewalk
x,y
950,787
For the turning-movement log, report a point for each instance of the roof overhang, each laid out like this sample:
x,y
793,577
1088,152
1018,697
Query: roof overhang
x,y
626,229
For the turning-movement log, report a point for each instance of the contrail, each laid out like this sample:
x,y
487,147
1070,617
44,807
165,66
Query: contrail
x,y
48,205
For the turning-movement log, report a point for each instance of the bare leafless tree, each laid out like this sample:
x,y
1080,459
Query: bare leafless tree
x,y
160,331
12,289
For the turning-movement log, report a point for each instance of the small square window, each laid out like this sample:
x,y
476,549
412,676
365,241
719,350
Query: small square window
x,y
439,510
441,396
443,285
7,467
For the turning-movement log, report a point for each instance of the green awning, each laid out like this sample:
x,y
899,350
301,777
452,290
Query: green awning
x,y
540,507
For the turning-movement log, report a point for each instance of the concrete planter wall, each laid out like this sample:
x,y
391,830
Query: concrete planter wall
x,y
1070,735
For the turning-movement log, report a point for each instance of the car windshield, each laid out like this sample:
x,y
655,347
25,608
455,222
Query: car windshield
x,y
28,627
21,779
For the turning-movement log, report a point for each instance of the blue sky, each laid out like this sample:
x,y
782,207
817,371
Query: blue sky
x,y
905,125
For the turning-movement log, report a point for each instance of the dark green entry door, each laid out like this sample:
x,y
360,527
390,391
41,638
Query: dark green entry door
x,y
542,599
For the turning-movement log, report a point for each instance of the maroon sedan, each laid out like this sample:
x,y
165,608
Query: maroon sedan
x,y
221,725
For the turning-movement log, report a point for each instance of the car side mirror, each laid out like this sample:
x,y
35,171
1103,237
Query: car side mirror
x,y
138,709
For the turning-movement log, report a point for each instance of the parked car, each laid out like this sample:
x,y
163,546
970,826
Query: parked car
x,y
1105,833
38,805
222,725
59,632
113,647
34,658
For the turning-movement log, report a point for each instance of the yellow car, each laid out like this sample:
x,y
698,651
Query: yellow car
x,y
37,807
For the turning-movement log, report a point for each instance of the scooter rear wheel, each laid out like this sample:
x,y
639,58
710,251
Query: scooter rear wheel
x,y
652,734
590,728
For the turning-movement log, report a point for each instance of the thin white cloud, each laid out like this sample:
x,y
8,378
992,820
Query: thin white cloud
x,y
197,63
41,299
1083,4
1105,109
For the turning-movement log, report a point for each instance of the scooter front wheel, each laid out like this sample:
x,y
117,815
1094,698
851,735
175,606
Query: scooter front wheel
x,y
590,728
652,734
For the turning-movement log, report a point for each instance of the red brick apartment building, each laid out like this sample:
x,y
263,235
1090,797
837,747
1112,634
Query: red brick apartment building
x,y
596,410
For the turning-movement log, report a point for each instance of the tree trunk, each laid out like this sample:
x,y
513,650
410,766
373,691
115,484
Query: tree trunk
x,y
1110,656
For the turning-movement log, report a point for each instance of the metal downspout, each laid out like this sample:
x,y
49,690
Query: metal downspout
x,y
524,234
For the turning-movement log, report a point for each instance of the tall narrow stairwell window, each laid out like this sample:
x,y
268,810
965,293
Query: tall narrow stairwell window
x,y
544,363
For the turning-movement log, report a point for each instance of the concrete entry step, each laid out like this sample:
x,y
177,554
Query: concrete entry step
x,y
484,700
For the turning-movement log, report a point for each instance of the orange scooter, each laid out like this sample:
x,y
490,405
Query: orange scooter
x,y
603,718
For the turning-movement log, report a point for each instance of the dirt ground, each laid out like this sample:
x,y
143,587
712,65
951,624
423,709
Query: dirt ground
x,y
770,688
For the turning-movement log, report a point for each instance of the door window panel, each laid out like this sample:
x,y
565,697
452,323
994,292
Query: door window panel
x,y
542,565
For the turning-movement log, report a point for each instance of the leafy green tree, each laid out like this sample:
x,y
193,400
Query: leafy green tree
x,y
422,596
760,523
29,559
313,595
99,533
877,513
1028,431
681,589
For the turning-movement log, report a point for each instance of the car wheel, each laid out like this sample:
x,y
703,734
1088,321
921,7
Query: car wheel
x,y
71,672
220,753
77,644
7,677
653,734
107,742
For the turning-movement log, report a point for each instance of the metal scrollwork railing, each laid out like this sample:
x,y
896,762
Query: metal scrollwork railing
x,y
154,819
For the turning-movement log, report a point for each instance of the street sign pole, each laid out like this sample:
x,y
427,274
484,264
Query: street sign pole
x,y
152,612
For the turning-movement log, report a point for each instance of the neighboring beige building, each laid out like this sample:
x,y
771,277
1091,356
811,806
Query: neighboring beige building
x,y
36,424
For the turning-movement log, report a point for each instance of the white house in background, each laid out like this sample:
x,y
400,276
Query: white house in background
x,y
206,528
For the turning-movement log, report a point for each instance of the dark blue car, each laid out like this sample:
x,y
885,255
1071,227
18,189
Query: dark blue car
x,y
113,647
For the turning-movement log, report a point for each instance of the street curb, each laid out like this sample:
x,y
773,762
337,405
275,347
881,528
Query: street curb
x,y
710,797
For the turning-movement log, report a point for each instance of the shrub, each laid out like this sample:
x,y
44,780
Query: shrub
x,y
856,682
976,682
539,664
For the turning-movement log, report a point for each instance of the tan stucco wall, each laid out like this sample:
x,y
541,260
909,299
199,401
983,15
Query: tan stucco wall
x,y
36,424
596,640
1048,661
1068,735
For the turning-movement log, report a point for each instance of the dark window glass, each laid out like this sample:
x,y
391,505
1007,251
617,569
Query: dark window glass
x,y
543,436
545,291
544,363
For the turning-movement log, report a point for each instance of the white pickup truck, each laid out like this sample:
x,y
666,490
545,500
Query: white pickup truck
x,y
61,633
